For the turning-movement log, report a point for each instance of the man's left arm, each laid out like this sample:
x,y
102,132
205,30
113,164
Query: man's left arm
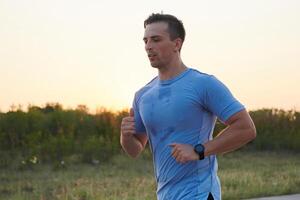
x,y
239,131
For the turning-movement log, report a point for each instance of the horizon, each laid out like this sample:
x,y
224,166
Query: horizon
x,y
14,108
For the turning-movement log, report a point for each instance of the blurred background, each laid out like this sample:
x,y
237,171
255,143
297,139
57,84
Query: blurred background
x,y
92,52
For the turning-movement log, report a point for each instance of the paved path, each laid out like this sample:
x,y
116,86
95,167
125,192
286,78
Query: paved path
x,y
285,197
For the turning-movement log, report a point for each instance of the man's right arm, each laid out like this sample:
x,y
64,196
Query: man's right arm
x,y
132,143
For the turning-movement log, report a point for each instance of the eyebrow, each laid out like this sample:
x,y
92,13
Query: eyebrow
x,y
152,37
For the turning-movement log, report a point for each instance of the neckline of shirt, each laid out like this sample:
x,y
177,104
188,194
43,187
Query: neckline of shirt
x,y
175,78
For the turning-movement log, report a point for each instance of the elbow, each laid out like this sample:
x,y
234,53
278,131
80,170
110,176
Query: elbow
x,y
132,146
252,133
134,156
250,130
130,152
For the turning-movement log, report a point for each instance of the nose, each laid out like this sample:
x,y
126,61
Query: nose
x,y
148,46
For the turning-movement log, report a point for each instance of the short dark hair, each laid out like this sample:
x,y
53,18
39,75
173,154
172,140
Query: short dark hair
x,y
175,26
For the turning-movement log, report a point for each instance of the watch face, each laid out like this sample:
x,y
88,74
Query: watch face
x,y
199,148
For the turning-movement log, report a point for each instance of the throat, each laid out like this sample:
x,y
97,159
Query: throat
x,y
171,72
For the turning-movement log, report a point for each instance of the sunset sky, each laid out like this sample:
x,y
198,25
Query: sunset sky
x,y
91,52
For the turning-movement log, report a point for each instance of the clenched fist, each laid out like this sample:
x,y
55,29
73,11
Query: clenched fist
x,y
183,152
128,125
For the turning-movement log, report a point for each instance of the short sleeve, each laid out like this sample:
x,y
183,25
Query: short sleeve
x,y
219,100
139,125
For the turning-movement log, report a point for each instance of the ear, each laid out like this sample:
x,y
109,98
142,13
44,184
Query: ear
x,y
178,44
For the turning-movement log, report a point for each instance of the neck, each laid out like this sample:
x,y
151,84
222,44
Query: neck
x,y
172,70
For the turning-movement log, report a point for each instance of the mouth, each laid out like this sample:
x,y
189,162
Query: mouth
x,y
151,56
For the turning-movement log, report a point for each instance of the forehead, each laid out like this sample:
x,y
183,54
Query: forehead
x,y
156,29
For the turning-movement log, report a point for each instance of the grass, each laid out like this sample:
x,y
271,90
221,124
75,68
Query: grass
x,y
243,175
258,174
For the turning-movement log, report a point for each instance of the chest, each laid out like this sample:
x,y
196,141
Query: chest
x,y
170,106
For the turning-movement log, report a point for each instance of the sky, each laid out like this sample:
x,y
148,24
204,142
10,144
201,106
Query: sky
x,y
91,52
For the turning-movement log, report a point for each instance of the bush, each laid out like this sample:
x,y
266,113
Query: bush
x,y
52,134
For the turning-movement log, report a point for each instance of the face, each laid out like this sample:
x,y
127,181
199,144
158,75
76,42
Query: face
x,y
158,45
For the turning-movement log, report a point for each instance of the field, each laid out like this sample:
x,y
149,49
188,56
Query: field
x,y
243,175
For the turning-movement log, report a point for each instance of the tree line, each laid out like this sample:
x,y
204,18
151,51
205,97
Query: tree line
x,y
53,134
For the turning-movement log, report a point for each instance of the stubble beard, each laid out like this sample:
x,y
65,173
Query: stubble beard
x,y
154,66
157,65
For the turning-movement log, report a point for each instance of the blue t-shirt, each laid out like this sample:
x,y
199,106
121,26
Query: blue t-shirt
x,y
183,109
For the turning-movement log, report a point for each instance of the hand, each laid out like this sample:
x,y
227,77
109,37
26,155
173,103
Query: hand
x,y
128,125
183,152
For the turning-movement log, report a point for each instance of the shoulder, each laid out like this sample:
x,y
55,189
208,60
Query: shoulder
x,y
203,81
199,76
206,80
144,89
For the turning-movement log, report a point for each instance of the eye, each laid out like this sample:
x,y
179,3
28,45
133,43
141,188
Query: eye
x,y
145,41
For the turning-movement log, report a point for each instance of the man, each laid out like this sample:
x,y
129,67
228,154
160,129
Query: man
x,y
176,112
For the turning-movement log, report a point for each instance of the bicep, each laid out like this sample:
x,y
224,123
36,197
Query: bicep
x,y
241,119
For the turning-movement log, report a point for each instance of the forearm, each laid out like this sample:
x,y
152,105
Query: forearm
x,y
231,138
131,145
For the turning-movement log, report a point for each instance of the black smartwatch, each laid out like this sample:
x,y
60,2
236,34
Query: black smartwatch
x,y
199,149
